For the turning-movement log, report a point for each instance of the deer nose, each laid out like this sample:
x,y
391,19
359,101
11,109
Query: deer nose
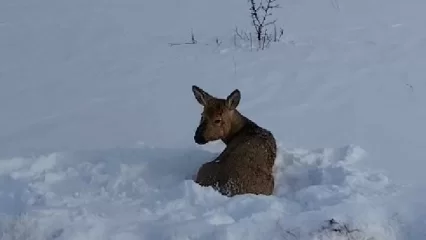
x,y
199,136
199,139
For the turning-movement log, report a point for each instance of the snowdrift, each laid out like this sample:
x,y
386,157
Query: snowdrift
x,y
147,193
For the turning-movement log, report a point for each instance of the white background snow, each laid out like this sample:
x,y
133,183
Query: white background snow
x,y
97,119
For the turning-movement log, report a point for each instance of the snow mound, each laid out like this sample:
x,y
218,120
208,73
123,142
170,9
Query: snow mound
x,y
147,193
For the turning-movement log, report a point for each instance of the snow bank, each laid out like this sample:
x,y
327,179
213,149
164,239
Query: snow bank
x,y
147,193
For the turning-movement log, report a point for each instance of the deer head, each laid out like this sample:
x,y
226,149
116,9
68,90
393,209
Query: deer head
x,y
218,117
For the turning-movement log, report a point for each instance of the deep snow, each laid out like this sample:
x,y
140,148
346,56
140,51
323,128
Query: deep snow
x,y
97,118
147,193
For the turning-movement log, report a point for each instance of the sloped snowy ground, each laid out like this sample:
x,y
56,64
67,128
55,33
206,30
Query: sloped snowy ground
x,y
87,86
100,74
147,193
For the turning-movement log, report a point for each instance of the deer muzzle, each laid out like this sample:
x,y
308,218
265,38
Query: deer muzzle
x,y
199,134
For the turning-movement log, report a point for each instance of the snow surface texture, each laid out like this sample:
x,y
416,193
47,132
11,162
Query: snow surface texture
x,y
147,193
86,87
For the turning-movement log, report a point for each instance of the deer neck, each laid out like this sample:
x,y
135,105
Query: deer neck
x,y
238,122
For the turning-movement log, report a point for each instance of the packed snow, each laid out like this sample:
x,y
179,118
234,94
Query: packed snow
x,y
97,119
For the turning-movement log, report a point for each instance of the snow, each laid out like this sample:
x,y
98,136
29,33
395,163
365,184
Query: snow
x,y
97,119
147,193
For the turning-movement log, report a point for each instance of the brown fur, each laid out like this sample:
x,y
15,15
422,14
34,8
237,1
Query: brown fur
x,y
245,166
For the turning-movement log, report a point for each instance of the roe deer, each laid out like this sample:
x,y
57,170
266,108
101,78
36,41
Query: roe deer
x,y
245,165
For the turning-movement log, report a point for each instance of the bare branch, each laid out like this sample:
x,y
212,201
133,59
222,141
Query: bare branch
x,y
193,41
270,23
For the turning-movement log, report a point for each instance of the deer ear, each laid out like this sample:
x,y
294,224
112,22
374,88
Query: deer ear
x,y
233,99
201,96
